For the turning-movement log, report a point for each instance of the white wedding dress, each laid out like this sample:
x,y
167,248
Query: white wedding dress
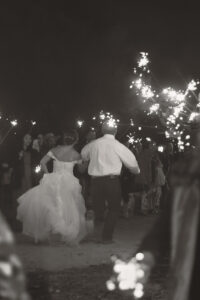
x,y
55,206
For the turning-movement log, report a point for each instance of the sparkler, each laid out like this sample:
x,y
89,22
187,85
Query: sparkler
x,y
193,116
160,148
172,106
128,275
13,124
108,118
80,123
131,139
38,169
131,123
112,123
143,61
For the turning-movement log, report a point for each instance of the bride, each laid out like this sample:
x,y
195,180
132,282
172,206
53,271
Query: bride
x,y
56,205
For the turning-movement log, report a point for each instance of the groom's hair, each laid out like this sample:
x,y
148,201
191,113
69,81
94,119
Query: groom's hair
x,y
107,129
70,137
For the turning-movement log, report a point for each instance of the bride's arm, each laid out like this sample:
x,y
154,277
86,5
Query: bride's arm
x,y
44,162
81,165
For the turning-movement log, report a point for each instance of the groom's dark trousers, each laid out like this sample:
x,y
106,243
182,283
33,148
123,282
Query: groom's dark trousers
x,y
106,189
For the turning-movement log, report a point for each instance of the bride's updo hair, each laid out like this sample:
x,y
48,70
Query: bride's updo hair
x,y
70,137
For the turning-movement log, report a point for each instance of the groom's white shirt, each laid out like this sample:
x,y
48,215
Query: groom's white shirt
x,y
106,156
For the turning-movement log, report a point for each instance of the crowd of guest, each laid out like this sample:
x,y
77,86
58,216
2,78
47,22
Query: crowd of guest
x,y
143,193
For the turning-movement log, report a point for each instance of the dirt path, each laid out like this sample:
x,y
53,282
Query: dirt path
x,y
60,257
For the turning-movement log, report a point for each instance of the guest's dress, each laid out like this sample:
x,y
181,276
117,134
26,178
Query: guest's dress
x,y
55,206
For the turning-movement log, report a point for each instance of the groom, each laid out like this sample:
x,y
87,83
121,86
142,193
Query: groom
x,y
106,156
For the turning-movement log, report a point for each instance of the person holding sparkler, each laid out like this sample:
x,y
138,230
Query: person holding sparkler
x,y
106,156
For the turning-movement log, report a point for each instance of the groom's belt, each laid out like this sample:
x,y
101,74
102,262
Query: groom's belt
x,y
107,176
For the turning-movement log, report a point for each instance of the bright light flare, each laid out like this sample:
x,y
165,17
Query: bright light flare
x,y
193,116
38,169
14,123
160,149
131,123
128,276
80,123
147,92
112,123
192,85
154,108
131,139
143,60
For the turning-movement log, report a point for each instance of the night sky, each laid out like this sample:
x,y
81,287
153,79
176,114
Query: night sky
x,y
60,60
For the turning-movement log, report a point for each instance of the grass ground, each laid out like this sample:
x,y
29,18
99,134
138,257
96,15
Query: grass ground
x,y
88,284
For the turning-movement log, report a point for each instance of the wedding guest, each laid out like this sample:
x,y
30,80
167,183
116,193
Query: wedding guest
x,y
6,199
127,186
38,144
12,277
49,143
143,181
25,165
158,183
85,177
176,234
106,156
168,158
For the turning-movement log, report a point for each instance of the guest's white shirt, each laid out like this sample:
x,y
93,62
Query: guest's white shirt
x,y
106,156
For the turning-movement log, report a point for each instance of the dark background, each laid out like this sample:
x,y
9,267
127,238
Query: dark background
x,y
65,59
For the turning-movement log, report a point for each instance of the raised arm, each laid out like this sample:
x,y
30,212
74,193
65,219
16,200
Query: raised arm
x,y
44,162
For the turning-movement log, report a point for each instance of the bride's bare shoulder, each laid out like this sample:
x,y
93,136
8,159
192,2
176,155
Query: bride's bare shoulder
x,y
55,150
76,155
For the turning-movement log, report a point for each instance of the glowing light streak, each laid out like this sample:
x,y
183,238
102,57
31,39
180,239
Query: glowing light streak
x,y
38,169
80,123
154,108
112,123
143,60
193,116
160,148
131,123
14,123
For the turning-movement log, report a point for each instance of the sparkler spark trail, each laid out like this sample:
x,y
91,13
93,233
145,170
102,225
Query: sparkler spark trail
x,y
38,169
143,61
131,139
173,107
112,123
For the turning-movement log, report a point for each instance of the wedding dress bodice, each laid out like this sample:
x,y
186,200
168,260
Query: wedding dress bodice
x,y
61,166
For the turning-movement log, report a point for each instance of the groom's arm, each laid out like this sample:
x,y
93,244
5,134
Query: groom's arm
x,y
85,153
